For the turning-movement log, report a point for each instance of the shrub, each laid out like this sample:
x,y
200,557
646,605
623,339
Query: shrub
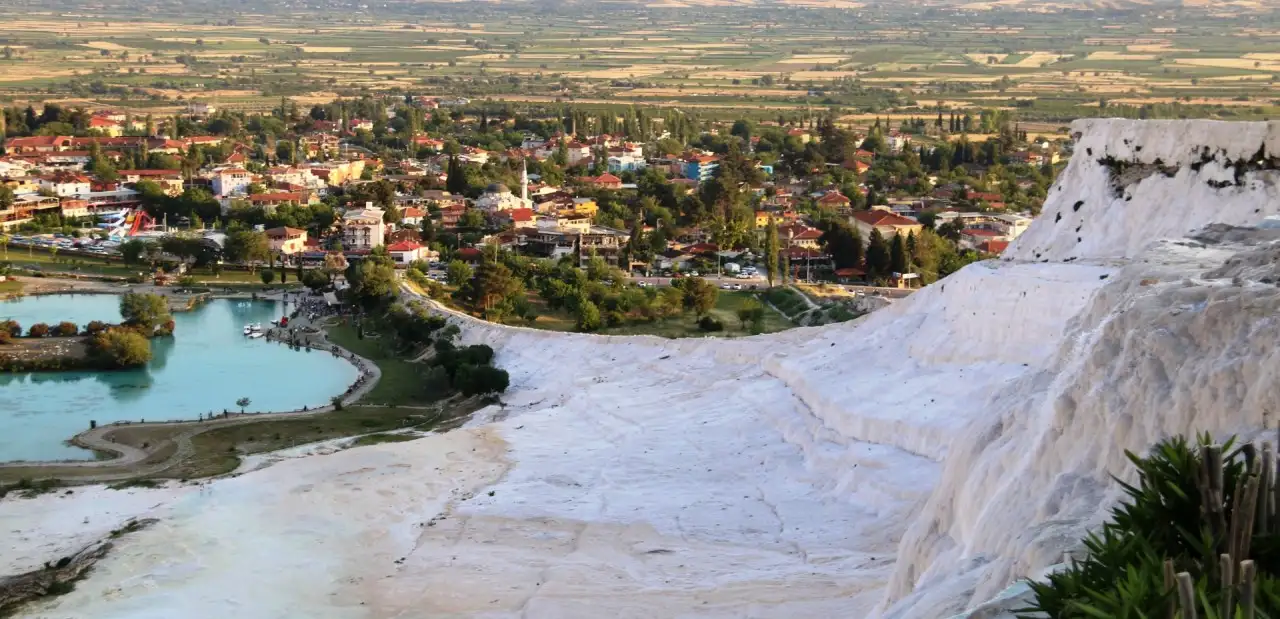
x,y
95,327
268,276
186,281
314,279
66,328
5,337
473,380
588,316
144,311
38,330
710,324
121,348
12,327
615,318
479,354
1177,517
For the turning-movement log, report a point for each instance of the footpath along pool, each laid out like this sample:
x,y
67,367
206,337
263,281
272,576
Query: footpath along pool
x,y
204,368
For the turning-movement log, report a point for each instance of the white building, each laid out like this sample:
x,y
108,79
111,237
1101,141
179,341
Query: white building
x,y
65,185
497,197
363,229
230,181
626,163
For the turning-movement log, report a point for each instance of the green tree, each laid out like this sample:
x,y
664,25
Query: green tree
x,y
492,284
699,295
131,251
898,260
39,329
4,243
751,312
459,273
6,196
472,219
314,279
66,329
877,256
145,312
843,243
243,403
771,251
121,348
376,281
268,276
247,246
588,316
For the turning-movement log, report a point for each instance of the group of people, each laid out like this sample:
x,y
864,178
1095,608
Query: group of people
x,y
313,307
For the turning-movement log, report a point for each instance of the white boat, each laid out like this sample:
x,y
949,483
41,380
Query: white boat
x,y
248,329
257,327
255,335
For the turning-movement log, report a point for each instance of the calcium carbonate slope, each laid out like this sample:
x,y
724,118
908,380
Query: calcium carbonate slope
x,y
911,465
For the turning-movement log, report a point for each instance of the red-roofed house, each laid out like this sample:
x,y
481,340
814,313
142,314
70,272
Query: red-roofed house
x,y
405,252
412,215
850,274
37,144
518,217
857,166
799,235
886,222
972,238
469,255
287,240
993,247
269,201
451,215
605,181
834,200
106,126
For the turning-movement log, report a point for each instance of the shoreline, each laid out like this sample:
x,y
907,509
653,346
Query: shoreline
x,y
95,439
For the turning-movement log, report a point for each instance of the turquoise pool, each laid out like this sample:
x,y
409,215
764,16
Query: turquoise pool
x,y
206,367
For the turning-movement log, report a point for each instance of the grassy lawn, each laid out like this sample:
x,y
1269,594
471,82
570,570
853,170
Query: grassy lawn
x,y
788,301
401,380
727,305
218,451
10,287
726,311
378,439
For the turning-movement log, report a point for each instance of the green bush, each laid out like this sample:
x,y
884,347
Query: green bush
x,y
121,348
710,324
38,330
477,380
1176,513
66,329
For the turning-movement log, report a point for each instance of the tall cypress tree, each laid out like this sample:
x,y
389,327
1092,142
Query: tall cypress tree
x,y
878,261
457,182
771,251
897,255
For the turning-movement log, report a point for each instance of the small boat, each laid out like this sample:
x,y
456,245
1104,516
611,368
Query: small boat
x,y
255,335
248,329
257,327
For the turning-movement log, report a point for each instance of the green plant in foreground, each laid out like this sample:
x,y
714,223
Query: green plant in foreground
x,y
1195,537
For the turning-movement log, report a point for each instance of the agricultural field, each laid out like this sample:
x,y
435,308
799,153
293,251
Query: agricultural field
x,y
761,60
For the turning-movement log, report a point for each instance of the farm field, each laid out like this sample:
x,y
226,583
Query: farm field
x,y
763,60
